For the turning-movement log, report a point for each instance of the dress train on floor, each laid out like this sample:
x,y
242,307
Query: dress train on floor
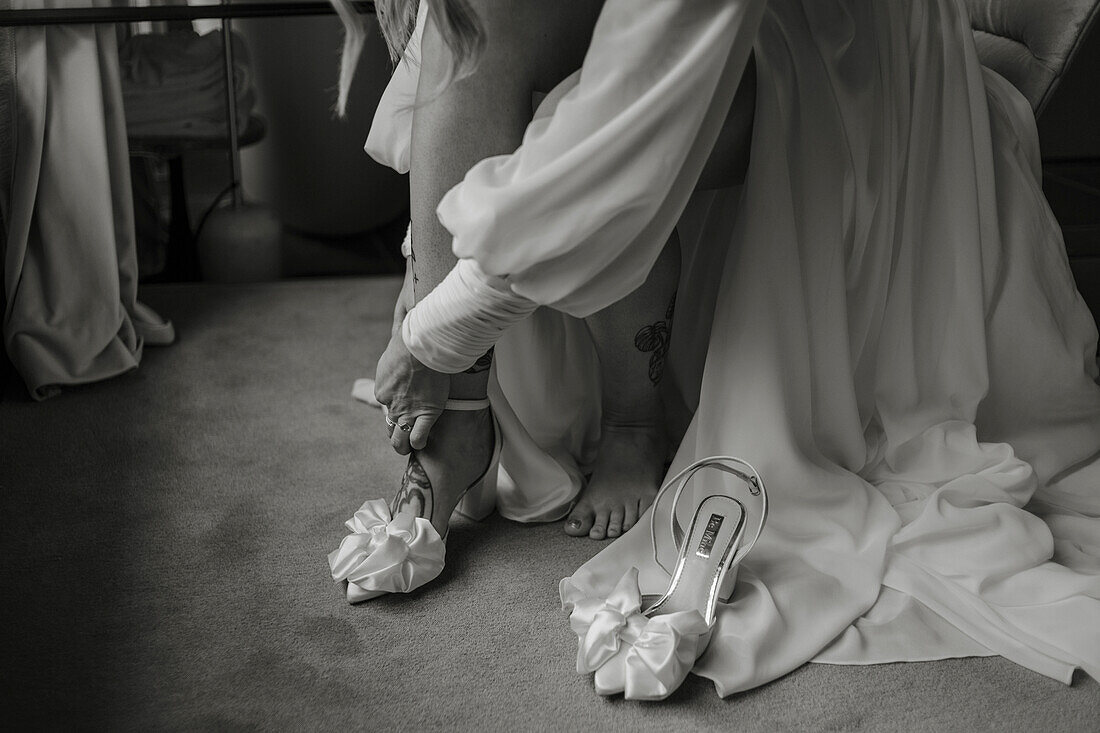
x,y
882,321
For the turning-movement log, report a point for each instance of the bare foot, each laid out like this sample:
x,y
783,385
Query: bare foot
x,y
625,478
459,449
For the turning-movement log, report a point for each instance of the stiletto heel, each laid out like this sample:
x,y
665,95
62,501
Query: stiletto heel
x,y
727,585
647,654
399,552
479,501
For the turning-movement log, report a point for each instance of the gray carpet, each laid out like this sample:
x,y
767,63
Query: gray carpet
x,y
164,545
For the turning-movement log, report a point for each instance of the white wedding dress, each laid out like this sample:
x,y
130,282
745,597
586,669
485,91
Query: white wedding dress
x,y
882,321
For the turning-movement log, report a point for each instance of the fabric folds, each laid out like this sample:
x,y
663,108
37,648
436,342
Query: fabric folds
x,y
386,554
70,264
173,84
645,658
657,77
882,321
461,319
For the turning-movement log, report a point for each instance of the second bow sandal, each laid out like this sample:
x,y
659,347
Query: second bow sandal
x,y
645,646
399,552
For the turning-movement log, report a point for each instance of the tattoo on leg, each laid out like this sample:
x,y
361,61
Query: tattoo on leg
x,y
656,339
482,364
415,495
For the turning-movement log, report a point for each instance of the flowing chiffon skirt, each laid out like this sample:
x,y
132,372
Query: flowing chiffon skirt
x,y
883,322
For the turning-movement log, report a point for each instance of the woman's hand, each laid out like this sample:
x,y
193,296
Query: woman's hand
x,y
414,394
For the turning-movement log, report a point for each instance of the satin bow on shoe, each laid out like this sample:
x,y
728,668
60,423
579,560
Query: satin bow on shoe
x,y
385,553
644,658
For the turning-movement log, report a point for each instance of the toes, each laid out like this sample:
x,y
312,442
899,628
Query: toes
x,y
615,522
580,520
630,515
599,526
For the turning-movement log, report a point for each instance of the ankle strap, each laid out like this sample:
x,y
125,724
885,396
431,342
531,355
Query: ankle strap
x,y
467,405
728,464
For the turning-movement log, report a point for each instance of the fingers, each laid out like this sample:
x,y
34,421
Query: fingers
x,y
399,439
418,436
409,434
414,395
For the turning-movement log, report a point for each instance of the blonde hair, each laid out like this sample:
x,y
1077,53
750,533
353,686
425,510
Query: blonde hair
x,y
458,24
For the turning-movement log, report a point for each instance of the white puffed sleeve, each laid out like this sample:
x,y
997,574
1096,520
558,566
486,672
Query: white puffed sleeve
x,y
576,216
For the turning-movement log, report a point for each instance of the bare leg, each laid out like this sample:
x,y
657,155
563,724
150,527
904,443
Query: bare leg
x,y
632,340
531,45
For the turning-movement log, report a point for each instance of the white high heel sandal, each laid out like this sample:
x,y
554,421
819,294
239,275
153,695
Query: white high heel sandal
x,y
398,553
647,654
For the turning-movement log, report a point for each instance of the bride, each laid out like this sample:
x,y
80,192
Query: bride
x,y
881,319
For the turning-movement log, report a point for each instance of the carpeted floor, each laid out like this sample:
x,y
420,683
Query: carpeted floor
x,y
164,545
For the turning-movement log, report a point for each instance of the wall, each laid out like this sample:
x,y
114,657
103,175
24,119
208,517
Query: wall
x,y
1070,125
311,166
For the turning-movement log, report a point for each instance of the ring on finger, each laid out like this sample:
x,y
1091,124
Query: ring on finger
x,y
405,427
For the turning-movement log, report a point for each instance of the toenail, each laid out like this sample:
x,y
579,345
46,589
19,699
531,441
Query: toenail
x,y
574,523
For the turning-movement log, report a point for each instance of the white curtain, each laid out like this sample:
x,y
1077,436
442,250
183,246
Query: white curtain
x,y
69,258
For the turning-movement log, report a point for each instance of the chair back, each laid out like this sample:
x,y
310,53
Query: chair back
x,y
1030,42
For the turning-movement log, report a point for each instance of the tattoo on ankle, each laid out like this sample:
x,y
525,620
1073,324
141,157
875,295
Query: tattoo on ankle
x,y
656,339
415,496
482,364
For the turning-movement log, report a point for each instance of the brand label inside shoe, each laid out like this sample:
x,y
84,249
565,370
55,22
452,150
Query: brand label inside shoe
x,y
709,535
